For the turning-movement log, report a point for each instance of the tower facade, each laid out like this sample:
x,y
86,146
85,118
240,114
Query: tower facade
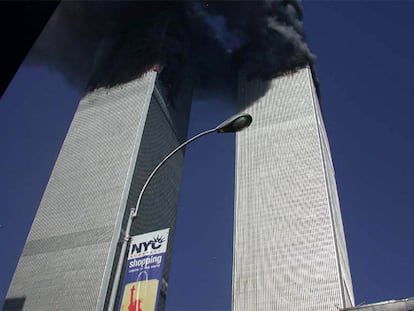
x,y
289,244
115,139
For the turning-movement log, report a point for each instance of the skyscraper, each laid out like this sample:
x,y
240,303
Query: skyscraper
x,y
289,244
116,137
289,249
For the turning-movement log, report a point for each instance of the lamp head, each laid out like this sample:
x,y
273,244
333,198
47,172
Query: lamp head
x,y
235,123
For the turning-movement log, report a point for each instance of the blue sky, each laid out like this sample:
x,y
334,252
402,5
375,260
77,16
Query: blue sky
x,y
364,63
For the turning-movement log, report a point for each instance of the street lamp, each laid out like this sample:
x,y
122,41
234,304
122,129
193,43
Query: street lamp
x,y
235,123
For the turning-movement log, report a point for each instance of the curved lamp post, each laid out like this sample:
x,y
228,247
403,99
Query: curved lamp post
x,y
232,124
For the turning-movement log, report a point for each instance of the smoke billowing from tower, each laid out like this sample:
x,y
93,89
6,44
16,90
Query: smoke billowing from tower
x,y
115,42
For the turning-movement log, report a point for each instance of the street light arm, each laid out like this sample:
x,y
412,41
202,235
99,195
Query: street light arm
x,y
162,163
233,124
133,215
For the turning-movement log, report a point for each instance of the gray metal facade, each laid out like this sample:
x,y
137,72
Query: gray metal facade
x,y
289,244
391,305
67,259
165,128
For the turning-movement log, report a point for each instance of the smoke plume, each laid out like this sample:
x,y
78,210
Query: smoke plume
x,y
108,43
271,34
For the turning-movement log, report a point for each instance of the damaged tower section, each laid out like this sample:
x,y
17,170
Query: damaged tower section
x,y
135,111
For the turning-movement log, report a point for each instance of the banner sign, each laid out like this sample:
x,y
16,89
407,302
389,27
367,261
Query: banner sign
x,y
143,273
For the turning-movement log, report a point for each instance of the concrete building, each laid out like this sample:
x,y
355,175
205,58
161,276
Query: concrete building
x,y
289,244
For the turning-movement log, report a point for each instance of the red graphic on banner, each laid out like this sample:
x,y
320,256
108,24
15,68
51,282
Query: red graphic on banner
x,y
133,302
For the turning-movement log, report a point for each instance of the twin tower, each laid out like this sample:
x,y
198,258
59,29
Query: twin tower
x,y
289,249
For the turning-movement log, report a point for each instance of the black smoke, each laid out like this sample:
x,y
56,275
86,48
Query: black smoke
x,y
106,43
271,34
109,43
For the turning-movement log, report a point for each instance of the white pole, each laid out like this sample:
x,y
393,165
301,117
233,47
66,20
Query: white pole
x,y
233,124
133,214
